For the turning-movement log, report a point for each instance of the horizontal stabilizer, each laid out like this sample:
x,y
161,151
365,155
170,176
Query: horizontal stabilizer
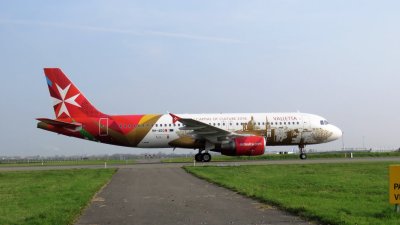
x,y
59,123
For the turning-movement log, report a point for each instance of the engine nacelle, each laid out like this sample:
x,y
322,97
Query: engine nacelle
x,y
249,145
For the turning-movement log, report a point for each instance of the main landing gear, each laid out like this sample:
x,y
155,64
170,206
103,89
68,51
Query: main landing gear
x,y
202,157
303,154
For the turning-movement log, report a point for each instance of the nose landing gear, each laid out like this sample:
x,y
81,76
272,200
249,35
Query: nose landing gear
x,y
303,154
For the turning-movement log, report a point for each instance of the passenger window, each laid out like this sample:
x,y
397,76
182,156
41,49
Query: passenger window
x,y
223,124
160,125
280,123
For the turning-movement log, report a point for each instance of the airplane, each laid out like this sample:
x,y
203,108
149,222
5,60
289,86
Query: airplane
x,y
232,134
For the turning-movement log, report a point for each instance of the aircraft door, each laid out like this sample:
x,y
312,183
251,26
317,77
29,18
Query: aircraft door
x,y
305,131
306,122
103,126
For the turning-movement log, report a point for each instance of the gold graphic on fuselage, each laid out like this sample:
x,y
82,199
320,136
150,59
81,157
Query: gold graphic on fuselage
x,y
280,134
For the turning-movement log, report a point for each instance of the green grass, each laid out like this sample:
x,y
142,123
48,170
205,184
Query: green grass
x,y
65,163
48,197
221,158
355,193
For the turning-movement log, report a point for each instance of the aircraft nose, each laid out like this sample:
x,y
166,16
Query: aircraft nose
x,y
336,133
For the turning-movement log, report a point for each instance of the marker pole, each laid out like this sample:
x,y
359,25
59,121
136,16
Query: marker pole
x,y
397,208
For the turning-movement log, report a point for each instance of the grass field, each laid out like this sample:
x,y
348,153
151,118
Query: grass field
x,y
355,193
222,158
66,163
48,197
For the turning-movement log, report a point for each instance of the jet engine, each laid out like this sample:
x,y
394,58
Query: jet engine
x,y
247,145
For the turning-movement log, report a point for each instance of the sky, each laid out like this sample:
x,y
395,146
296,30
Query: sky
x,y
337,59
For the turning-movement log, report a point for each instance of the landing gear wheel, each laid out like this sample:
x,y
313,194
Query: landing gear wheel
x,y
198,157
303,155
206,157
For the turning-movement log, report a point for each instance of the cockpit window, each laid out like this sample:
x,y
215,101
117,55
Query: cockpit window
x,y
323,122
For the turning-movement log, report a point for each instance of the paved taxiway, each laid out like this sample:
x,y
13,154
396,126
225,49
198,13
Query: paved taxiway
x,y
172,196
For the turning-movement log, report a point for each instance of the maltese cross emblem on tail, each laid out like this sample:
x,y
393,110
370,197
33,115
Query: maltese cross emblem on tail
x,y
62,100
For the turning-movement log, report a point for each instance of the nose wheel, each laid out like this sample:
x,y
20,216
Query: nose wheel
x,y
202,157
303,154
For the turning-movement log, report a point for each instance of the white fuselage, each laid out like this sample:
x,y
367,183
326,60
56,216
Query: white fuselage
x,y
278,128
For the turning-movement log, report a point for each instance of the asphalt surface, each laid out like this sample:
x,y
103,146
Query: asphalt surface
x,y
154,195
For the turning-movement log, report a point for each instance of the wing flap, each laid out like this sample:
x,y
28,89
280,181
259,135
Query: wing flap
x,y
192,128
204,132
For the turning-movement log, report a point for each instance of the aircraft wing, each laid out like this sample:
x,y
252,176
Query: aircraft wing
x,y
59,123
202,130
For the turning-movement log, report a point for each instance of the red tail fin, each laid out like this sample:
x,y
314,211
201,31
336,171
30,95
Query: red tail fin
x,y
68,101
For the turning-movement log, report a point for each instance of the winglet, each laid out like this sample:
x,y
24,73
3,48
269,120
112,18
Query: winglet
x,y
175,118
